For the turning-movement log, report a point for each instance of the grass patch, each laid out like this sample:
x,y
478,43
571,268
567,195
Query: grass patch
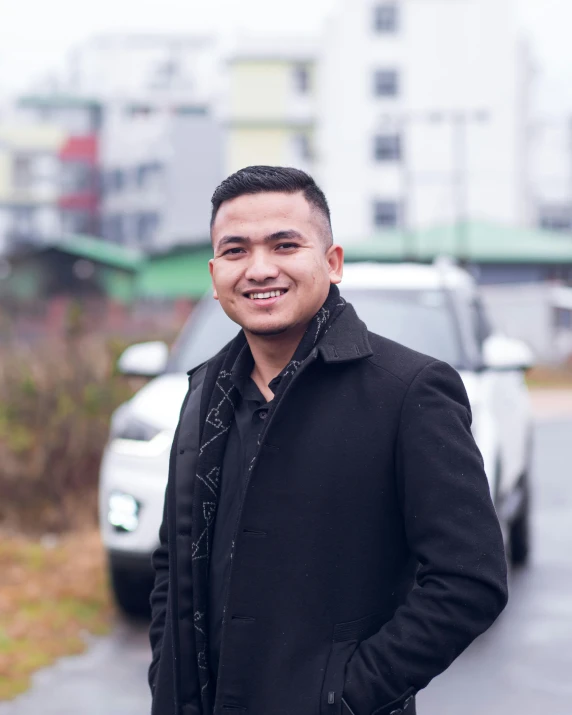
x,y
52,593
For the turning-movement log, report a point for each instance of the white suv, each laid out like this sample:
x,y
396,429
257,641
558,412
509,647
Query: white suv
x,y
433,309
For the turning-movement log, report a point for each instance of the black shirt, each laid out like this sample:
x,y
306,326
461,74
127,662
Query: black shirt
x,y
251,411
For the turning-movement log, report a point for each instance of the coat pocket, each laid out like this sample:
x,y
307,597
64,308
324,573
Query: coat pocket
x,y
346,638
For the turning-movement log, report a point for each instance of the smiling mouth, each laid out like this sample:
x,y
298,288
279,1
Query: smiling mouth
x,y
265,295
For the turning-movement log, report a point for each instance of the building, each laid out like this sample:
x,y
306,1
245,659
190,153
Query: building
x,y
78,185
30,170
551,173
136,66
159,166
65,286
422,115
144,145
269,107
77,266
160,139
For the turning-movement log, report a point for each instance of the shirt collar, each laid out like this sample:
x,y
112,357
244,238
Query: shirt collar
x,y
241,376
242,369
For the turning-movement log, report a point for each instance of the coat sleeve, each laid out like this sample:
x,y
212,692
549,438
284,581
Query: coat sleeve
x,y
453,532
159,594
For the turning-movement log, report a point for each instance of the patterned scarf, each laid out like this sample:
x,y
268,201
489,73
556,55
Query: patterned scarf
x,y
220,416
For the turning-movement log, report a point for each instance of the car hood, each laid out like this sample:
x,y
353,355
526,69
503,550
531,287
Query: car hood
x,y
159,402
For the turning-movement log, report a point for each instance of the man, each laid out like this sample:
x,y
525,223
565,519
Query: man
x,y
329,544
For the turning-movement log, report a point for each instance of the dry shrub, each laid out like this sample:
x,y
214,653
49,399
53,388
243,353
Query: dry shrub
x,y
53,592
56,398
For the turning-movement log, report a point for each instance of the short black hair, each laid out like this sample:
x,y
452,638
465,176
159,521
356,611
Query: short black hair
x,y
261,179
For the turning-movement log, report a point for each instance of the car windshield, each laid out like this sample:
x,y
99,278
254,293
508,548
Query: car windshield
x,y
420,319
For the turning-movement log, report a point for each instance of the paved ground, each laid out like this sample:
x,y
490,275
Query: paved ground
x,y
522,666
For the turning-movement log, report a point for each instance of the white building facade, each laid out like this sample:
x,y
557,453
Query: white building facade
x,y
421,115
134,66
550,188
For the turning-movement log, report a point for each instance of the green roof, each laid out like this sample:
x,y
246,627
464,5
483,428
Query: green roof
x,y
96,249
183,273
474,242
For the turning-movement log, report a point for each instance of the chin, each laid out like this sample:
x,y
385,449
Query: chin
x,y
267,329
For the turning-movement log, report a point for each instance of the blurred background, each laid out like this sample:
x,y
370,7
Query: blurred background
x,y
436,128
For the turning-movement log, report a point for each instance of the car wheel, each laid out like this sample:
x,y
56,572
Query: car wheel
x,y
131,591
520,528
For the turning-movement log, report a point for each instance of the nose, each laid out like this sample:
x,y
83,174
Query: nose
x,y
261,266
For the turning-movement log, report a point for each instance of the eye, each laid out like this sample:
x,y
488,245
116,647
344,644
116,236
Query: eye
x,y
233,251
287,245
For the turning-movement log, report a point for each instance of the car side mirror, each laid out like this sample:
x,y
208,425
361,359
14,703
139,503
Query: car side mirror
x,y
503,353
144,359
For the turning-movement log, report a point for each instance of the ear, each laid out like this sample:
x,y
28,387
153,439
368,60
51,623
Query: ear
x,y
211,271
335,259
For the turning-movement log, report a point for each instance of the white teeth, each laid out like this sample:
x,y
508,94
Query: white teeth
x,y
269,294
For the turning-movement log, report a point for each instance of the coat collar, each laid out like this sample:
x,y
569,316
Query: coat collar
x,y
346,340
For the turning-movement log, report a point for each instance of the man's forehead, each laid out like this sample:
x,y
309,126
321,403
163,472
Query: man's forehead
x,y
264,206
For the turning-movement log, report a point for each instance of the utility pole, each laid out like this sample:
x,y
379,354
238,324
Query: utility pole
x,y
459,121
459,127
407,227
401,125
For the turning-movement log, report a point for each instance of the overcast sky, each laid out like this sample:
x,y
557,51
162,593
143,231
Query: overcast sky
x,y
36,34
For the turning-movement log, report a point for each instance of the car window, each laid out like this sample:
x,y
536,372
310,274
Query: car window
x,y
481,320
419,319
422,320
207,331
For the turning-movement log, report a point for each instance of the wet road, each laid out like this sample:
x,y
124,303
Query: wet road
x,y
522,666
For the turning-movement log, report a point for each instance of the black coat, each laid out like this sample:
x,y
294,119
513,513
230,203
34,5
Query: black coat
x,y
368,553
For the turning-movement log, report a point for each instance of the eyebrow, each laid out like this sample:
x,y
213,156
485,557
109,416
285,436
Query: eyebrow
x,y
277,236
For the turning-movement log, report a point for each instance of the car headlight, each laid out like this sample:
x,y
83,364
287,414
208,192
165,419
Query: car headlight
x,y
123,512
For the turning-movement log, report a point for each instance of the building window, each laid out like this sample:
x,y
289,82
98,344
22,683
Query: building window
x,y
140,110
386,17
114,228
77,221
22,171
147,224
302,147
301,75
387,147
385,83
189,110
385,213
555,217
78,177
114,180
23,227
147,175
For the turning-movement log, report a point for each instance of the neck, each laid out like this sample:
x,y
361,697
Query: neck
x,y
271,354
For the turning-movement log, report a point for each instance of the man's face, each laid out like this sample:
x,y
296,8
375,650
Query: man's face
x,y
271,270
